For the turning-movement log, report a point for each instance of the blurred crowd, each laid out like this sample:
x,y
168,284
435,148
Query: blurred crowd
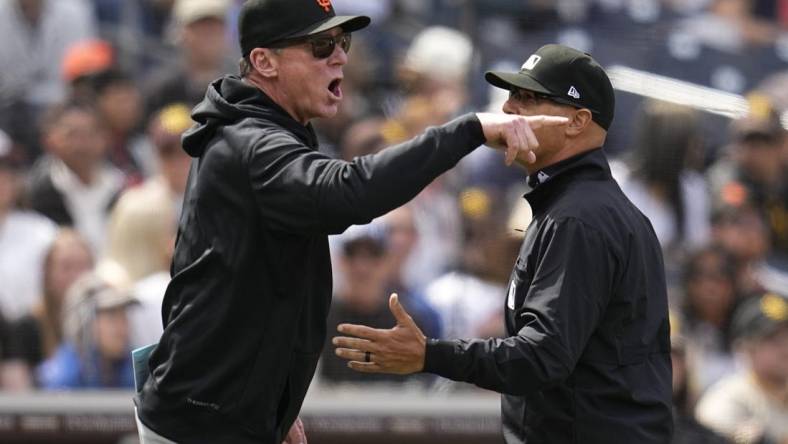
x,y
94,95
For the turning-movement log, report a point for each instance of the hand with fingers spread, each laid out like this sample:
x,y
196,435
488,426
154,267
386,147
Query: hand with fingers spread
x,y
515,134
399,350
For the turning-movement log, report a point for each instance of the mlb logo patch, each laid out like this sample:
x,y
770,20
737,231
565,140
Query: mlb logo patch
x,y
531,62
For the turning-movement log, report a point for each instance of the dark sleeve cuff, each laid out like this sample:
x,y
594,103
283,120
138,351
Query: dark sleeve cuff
x,y
438,356
467,128
475,130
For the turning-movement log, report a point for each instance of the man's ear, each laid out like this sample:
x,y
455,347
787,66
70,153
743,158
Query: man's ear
x,y
263,61
579,122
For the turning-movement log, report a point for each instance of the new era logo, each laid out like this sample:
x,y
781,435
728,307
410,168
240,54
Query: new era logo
x,y
531,62
573,93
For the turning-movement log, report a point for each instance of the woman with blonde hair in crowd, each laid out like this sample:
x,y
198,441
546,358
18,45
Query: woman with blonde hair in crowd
x,y
35,337
141,230
141,239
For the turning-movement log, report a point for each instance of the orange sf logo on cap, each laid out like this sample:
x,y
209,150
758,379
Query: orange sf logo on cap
x,y
325,4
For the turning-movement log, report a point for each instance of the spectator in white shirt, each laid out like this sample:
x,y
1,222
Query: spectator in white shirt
x,y
24,240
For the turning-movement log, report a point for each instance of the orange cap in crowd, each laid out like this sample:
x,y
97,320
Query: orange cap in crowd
x,y
87,57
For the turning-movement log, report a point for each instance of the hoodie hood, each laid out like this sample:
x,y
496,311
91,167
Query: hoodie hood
x,y
229,100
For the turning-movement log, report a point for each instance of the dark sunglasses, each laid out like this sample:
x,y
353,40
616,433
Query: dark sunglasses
x,y
533,98
527,97
322,47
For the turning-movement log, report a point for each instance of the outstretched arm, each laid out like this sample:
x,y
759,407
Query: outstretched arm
x,y
560,311
299,189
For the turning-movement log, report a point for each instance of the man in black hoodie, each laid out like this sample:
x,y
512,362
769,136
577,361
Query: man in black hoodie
x,y
587,357
245,313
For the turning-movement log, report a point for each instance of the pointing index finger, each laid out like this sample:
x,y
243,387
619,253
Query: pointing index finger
x,y
540,121
530,137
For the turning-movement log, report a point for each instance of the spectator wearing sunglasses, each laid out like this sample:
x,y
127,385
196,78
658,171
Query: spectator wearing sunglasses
x,y
245,312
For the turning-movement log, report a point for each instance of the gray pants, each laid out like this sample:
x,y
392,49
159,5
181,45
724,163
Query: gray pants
x,y
148,436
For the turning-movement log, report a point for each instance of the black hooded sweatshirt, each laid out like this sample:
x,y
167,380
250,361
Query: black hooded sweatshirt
x,y
245,312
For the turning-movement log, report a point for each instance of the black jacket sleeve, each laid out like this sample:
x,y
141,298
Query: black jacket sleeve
x,y
301,190
571,286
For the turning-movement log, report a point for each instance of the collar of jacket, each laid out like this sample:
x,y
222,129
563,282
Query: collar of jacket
x,y
240,92
230,100
548,181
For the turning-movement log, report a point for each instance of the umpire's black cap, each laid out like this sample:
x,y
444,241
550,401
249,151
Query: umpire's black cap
x,y
566,75
262,22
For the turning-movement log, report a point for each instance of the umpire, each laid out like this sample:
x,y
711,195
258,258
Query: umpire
x,y
587,359
245,313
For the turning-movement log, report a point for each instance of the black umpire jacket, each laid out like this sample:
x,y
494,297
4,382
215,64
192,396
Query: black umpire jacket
x,y
587,359
245,313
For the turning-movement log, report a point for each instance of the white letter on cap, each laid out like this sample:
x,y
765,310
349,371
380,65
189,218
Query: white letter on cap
x,y
531,62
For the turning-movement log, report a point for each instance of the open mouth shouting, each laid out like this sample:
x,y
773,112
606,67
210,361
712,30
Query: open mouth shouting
x,y
335,88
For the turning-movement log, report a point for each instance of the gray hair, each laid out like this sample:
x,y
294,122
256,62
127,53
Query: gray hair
x,y
245,66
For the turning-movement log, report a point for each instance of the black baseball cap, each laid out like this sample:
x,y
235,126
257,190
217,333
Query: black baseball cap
x,y
759,317
262,22
756,128
567,75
